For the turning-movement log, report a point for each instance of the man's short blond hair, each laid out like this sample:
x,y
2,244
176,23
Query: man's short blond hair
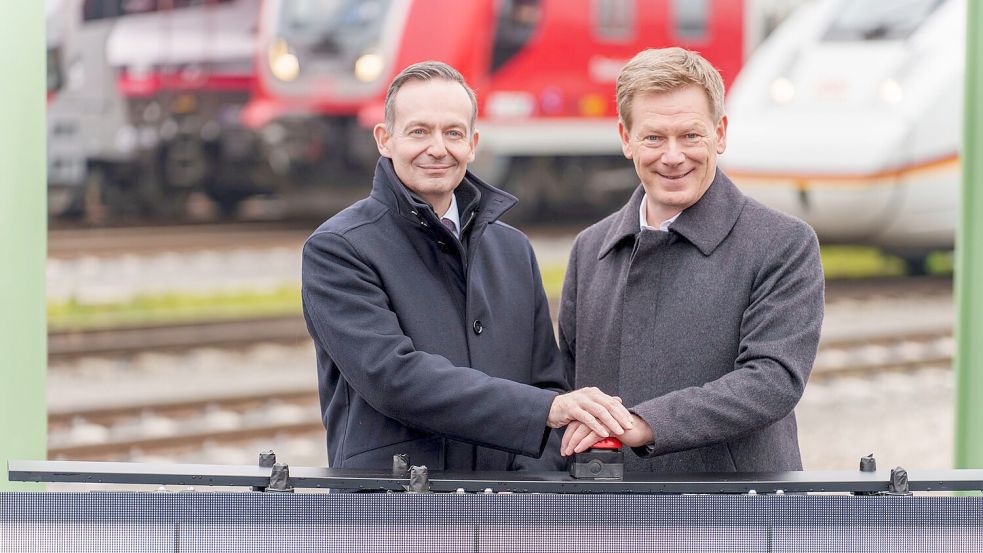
x,y
665,70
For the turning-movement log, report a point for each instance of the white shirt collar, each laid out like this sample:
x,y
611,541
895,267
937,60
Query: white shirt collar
x,y
453,215
643,220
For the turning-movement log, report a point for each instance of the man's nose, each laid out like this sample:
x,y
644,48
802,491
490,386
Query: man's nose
x,y
673,154
437,148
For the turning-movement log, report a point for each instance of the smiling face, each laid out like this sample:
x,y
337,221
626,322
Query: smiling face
x,y
673,142
431,142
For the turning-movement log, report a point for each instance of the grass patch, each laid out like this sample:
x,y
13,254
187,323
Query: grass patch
x,y
174,308
553,279
859,262
839,262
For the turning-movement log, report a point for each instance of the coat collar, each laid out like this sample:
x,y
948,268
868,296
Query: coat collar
x,y
481,200
705,224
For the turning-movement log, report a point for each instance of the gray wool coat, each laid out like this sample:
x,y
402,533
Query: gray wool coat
x,y
708,332
427,346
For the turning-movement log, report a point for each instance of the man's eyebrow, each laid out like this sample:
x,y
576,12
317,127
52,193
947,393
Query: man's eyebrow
x,y
416,123
427,124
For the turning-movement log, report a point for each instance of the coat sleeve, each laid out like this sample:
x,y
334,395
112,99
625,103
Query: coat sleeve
x,y
349,315
779,336
547,372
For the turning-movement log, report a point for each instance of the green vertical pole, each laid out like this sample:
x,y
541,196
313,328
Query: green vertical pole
x,y
23,239
969,259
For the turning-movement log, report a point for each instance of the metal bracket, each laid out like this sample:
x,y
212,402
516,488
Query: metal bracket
x,y
401,465
266,460
419,480
867,464
899,482
280,479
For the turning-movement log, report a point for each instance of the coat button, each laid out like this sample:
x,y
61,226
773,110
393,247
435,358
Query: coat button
x,y
478,327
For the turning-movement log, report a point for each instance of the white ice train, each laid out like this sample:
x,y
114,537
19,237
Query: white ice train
x,y
850,117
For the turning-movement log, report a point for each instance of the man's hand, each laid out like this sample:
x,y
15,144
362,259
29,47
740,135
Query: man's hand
x,y
599,412
579,438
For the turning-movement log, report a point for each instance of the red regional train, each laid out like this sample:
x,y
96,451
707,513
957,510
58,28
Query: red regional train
x,y
233,98
544,72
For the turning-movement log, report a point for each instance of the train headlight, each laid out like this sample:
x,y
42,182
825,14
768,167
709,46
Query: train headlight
x,y
891,92
782,91
368,67
283,63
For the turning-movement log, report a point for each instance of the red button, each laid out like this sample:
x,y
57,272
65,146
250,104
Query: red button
x,y
607,443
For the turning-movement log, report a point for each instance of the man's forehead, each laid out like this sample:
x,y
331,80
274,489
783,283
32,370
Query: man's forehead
x,y
431,101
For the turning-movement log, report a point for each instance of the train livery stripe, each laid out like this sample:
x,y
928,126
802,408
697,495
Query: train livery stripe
x,y
945,162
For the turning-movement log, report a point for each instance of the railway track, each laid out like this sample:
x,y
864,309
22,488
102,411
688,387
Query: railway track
x,y
68,344
861,355
114,432
109,242
119,431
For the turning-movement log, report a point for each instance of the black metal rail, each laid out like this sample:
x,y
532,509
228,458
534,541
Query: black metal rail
x,y
492,482
216,333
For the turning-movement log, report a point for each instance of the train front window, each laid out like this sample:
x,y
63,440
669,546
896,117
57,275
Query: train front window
x,y
614,20
691,18
55,75
344,28
879,20
517,21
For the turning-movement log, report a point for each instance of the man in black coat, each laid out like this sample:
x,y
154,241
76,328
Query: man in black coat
x,y
428,315
699,306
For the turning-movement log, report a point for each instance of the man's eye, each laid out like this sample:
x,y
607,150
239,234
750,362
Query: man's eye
x,y
653,139
692,136
455,134
417,132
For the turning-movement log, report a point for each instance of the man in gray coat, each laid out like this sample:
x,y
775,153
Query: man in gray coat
x,y
699,306
431,327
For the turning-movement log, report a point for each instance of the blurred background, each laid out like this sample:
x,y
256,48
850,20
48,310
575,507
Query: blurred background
x,y
193,145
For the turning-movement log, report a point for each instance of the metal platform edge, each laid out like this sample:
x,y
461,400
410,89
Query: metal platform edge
x,y
91,472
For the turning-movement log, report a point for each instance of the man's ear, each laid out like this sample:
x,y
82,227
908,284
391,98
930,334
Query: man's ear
x,y
474,146
722,135
625,139
382,137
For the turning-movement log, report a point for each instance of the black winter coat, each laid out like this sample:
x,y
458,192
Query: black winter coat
x,y
427,346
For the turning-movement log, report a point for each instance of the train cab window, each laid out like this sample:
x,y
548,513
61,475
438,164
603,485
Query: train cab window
x,y
106,9
192,3
131,7
55,74
517,21
875,20
691,19
336,28
93,10
614,20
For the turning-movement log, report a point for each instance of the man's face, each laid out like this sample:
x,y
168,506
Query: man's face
x,y
673,142
431,142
